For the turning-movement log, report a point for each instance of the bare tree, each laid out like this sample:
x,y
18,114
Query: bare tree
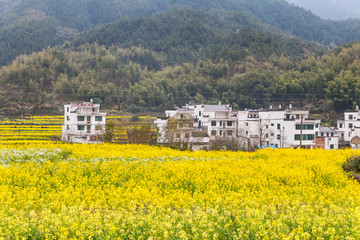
x,y
178,131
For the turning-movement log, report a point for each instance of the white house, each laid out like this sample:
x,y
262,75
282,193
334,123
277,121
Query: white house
x,y
83,123
278,128
208,122
327,139
350,126
251,128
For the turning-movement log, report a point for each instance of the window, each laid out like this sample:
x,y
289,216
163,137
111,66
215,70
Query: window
x,y
331,146
278,137
332,134
229,123
81,118
322,134
67,118
229,133
213,123
199,113
67,109
305,137
98,118
297,116
98,127
267,126
247,132
213,132
304,127
272,134
278,126
267,135
247,124
187,135
80,127
93,109
340,125
272,124
317,125
350,117
350,125
67,127
220,133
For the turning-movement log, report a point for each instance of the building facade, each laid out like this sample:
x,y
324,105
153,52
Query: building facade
x,y
327,139
350,126
278,128
197,125
250,128
83,123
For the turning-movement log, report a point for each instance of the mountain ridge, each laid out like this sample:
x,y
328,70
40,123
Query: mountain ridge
x,y
31,25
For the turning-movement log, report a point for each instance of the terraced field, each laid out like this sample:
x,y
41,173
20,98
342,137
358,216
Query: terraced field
x,y
42,129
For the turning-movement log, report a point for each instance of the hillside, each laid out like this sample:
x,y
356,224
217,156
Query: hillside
x,y
199,60
246,68
30,25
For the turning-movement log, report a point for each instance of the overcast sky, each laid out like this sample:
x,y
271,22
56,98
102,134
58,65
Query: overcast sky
x,y
331,9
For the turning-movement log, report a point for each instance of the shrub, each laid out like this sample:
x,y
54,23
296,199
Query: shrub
x,y
352,164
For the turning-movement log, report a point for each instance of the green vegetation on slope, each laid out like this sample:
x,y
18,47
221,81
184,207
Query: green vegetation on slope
x,y
31,25
133,79
223,65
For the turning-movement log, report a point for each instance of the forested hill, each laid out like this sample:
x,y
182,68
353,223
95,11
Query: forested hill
x,y
31,25
178,36
196,59
245,68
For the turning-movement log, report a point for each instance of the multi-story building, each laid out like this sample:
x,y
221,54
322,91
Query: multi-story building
x,y
181,129
196,125
218,120
84,123
350,126
251,128
278,128
327,139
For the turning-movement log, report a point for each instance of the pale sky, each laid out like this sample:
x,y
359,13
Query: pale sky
x,y
331,9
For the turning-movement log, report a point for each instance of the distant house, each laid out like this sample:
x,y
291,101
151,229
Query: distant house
x,y
350,126
249,128
194,126
282,128
327,139
83,123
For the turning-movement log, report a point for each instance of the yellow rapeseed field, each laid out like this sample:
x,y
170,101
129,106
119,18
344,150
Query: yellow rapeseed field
x,y
70,191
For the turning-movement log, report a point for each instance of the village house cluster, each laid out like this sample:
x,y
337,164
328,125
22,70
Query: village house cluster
x,y
198,126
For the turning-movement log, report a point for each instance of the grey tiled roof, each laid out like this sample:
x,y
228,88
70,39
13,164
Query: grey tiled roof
x,y
326,130
216,108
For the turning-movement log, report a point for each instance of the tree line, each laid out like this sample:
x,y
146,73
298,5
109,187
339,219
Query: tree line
x,y
134,79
